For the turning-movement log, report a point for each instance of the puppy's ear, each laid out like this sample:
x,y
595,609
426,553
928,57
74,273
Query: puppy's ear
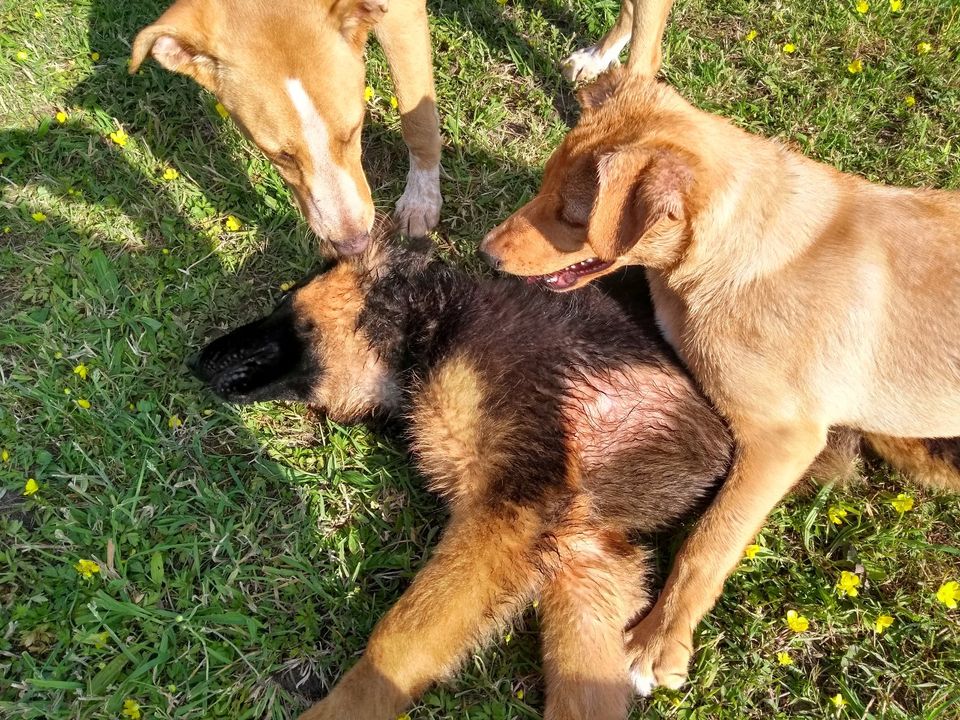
x,y
640,193
596,93
356,17
178,40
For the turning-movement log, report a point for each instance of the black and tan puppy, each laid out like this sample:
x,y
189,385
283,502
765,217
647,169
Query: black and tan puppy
x,y
553,429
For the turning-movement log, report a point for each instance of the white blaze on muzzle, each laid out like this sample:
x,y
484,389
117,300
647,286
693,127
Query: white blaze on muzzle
x,y
334,206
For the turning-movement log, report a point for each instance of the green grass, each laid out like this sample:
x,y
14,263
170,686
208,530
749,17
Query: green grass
x,y
247,549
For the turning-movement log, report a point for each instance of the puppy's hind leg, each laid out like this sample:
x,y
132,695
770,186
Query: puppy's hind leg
x,y
587,63
586,607
483,570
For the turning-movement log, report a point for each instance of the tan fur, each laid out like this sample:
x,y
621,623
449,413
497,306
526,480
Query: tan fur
x,y
355,378
244,51
458,441
799,297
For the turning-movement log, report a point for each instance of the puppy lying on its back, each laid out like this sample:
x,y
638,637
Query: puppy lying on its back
x,y
553,428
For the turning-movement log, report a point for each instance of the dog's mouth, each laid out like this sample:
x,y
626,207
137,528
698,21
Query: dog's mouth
x,y
570,275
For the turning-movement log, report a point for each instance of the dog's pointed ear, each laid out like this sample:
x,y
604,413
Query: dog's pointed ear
x,y
358,16
596,93
639,191
178,41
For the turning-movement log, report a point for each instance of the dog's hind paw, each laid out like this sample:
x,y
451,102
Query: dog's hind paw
x,y
418,210
588,63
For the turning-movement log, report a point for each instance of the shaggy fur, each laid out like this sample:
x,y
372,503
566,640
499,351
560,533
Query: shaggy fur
x,y
554,429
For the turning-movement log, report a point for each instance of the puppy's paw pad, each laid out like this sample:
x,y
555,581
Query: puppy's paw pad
x,y
586,64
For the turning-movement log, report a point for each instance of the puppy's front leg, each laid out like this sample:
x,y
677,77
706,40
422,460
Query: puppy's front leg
x,y
482,571
404,35
646,48
766,467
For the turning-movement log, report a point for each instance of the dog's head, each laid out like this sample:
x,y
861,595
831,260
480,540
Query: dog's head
x,y
291,74
616,192
315,347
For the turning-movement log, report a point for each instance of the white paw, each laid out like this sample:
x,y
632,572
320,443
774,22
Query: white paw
x,y
643,684
418,209
586,64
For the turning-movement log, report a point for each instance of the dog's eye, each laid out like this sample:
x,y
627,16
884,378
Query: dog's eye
x,y
571,217
285,159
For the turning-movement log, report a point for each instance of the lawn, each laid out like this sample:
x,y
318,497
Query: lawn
x,y
243,555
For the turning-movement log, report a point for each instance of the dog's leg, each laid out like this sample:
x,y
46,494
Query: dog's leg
x,y
483,570
405,37
585,608
646,48
766,467
587,63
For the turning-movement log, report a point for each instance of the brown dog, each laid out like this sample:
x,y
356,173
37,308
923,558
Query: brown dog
x,y
292,76
800,298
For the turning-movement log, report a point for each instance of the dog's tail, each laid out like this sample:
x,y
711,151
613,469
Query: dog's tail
x,y
934,462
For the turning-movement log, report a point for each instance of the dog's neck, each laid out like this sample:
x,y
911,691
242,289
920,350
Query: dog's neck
x,y
412,312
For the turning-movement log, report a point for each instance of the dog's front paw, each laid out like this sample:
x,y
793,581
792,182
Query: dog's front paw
x,y
418,210
659,655
588,63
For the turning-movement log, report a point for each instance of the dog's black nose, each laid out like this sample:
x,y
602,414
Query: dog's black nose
x,y
492,260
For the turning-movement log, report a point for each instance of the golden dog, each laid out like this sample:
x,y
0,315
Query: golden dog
x,y
800,298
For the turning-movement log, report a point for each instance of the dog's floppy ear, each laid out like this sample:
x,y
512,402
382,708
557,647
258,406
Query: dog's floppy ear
x,y
358,16
639,191
178,41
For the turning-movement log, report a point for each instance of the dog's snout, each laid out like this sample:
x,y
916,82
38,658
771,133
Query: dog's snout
x,y
353,245
486,251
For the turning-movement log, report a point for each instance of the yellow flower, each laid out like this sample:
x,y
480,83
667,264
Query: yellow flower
x,y
750,36
949,594
902,503
923,48
404,716
119,137
131,709
750,552
784,658
174,422
170,174
31,487
838,701
85,404
507,638
896,5
233,224
221,111
7,229
836,514
855,66
863,7
882,623
62,117
848,584
94,56
393,102
38,15
5,455
797,622
39,217
22,55
284,286
87,568
789,48
165,251
81,370
367,94
519,694
909,101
